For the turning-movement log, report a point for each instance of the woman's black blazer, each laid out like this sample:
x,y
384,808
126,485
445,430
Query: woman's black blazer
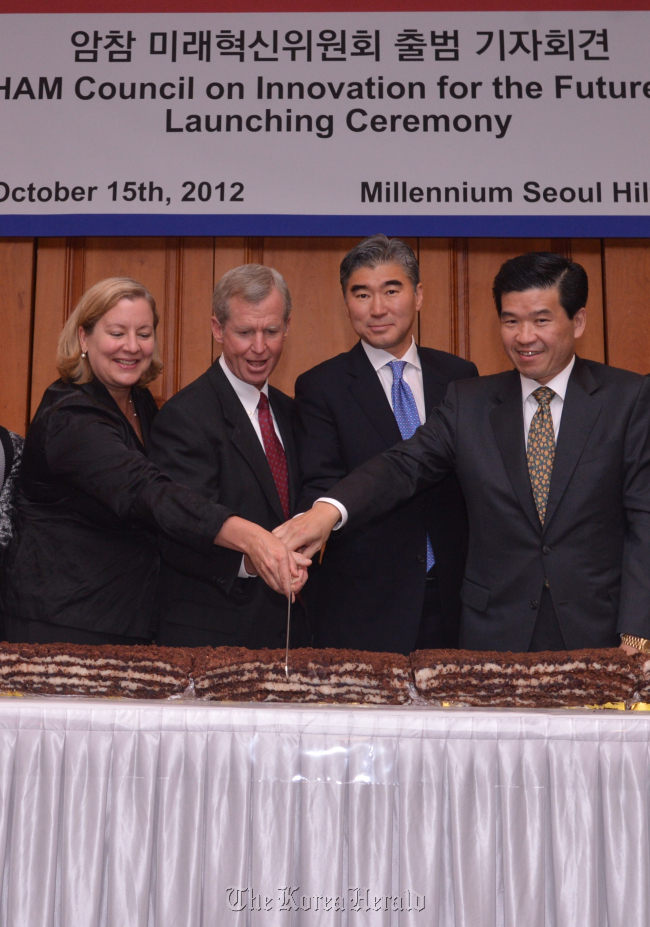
x,y
90,503
12,446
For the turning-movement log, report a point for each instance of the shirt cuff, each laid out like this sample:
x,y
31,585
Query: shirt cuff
x,y
337,505
243,572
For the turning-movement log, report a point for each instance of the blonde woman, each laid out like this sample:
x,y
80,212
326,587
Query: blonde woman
x,y
84,564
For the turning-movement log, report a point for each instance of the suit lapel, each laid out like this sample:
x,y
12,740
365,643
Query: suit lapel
x,y
507,419
283,417
367,390
434,386
243,436
579,415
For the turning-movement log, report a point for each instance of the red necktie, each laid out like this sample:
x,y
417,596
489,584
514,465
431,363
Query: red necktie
x,y
274,452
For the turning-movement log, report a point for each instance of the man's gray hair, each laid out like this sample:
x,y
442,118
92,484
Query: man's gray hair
x,y
376,250
252,283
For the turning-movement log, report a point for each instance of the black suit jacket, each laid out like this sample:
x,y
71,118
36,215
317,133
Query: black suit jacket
x,y
12,448
594,548
368,592
204,439
89,510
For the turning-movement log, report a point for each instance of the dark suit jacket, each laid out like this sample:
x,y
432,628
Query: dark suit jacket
x,y
594,548
369,590
12,447
89,510
204,439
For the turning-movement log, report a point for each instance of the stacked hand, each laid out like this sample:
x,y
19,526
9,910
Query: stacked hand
x,y
281,558
283,569
308,532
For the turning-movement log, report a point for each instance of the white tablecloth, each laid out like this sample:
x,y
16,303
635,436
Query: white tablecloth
x,y
184,814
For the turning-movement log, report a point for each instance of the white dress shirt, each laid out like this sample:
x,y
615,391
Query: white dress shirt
x,y
249,396
558,384
412,375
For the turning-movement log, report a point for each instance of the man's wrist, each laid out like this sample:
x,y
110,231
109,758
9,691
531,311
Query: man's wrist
x,y
244,571
641,644
343,512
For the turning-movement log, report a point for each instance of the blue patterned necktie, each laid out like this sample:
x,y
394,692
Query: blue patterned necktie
x,y
408,419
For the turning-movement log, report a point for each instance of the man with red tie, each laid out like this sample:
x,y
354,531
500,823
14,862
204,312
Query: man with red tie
x,y
230,436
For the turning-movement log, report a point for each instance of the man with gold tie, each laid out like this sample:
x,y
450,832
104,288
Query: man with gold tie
x,y
553,458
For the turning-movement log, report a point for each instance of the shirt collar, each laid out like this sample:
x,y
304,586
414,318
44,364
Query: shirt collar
x,y
379,358
248,395
558,384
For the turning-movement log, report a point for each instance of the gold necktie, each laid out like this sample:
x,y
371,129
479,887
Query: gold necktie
x,y
541,449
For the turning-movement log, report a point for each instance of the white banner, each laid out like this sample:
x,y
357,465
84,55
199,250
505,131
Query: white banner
x,y
446,123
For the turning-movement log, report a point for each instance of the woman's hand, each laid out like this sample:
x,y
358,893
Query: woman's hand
x,y
268,556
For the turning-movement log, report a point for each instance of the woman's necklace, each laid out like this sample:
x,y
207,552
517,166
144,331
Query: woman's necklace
x,y
132,413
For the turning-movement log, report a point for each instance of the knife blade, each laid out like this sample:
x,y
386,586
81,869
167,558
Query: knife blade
x,y
286,655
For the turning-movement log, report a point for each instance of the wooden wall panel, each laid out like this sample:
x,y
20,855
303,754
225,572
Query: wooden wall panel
x,y
320,327
588,252
57,261
191,341
16,299
458,314
627,285
439,322
229,253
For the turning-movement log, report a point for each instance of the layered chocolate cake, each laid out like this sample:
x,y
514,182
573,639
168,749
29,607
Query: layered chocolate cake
x,y
465,677
526,680
644,680
340,676
74,669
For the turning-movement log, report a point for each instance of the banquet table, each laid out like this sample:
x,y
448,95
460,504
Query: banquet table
x,y
193,814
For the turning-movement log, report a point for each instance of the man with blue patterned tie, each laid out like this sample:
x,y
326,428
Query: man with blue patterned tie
x,y
395,585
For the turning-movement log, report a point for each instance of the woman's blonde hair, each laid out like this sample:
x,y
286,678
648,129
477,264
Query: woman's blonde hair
x,y
94,304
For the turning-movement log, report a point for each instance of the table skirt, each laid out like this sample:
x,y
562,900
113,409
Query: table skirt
x,y
186,814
